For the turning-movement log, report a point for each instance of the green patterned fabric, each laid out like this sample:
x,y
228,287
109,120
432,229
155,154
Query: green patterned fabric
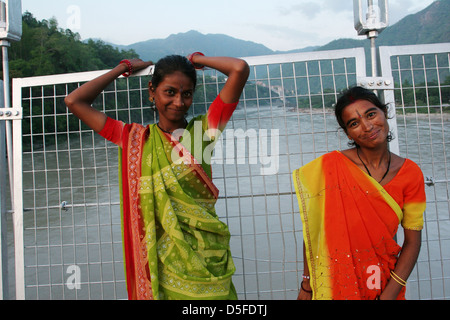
x,y
187,245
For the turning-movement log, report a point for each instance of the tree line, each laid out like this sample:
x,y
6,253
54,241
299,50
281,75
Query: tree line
x,y
47,49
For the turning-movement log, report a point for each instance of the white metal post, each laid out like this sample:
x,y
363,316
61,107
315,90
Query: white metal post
x,y
4,285
14,116
372,24
11,30
18,203
7,104
6,132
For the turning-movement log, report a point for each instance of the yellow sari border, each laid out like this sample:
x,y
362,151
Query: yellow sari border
x,y
306,179
343,238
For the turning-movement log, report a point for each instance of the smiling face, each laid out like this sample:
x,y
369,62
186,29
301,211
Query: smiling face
x,y
173,97
365,124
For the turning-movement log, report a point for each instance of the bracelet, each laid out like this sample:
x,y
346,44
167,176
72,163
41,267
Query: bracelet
x,y
130,68
397,279
307,291
196,66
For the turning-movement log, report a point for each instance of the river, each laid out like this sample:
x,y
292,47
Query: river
x,y
73,188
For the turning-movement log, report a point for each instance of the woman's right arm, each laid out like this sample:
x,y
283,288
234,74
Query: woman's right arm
x,y
305,295
80,100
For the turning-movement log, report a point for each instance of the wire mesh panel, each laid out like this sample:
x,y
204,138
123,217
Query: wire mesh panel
x,y
422,96
289,102
72,227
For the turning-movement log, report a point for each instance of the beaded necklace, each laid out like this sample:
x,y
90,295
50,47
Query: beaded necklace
x,y
367,169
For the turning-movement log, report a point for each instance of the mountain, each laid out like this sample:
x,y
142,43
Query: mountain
x,y
431,25
185,43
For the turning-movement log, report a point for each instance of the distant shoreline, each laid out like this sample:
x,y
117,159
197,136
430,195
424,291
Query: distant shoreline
x,y
445,115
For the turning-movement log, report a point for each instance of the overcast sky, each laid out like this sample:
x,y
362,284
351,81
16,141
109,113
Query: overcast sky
x,y
279,25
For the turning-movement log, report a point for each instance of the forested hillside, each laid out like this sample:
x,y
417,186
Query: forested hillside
x,y
431,25
47,49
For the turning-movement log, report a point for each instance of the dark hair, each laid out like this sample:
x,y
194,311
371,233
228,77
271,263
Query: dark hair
x,y
169,65
352,95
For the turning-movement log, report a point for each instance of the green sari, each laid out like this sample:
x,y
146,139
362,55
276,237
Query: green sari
x,y
175,246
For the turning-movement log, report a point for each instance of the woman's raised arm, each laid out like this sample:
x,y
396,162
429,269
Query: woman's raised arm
x,y
236,69
80,100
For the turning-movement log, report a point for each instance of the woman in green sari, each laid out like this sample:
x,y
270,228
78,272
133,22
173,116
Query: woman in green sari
x,y
175,247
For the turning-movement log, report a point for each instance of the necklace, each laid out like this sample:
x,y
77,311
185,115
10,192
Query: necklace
x,y
170,132
367,169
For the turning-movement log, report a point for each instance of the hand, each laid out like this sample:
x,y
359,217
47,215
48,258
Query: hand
x,y
138,64
191,59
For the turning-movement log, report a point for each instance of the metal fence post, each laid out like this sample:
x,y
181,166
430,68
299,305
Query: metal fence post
x,y
17,155
3,227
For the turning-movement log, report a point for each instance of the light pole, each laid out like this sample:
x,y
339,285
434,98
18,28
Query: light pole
x,y
10,30
371,21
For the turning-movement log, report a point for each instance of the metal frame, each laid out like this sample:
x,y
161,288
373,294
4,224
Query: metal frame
x,y
430,279
3,192
261,210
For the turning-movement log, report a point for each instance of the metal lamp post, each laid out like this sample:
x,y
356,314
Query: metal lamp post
x,y
371,21
10,30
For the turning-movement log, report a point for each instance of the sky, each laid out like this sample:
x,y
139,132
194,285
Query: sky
x,y
279,25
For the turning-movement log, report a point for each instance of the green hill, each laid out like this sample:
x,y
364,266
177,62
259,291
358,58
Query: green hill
x,y
185,43
47,49
431,25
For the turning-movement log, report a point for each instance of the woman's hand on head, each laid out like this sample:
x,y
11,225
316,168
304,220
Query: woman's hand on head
x,y
138,64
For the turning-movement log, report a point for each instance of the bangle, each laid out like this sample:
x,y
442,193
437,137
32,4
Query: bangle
x,y
196,65
307,291
397,279
130,68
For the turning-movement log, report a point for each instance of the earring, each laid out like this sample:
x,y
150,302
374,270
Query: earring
x,y
152,103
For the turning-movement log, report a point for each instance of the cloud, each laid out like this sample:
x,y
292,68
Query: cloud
x,y
398,9
293,23
313,9
308,9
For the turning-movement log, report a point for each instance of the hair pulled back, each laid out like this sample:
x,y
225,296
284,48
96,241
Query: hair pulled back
x,y
352,95
171,64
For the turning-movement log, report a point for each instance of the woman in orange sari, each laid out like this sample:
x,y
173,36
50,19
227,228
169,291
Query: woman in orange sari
x,y
351,204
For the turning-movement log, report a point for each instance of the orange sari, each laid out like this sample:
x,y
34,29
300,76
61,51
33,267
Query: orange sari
x,y
349,224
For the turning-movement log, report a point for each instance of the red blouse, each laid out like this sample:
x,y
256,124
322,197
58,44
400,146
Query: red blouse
x,y
219,113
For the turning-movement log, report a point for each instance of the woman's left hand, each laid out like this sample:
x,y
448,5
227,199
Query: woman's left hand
x,y
138,64
191,59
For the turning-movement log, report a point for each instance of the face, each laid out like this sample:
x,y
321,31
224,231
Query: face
x,y
173,97
365,124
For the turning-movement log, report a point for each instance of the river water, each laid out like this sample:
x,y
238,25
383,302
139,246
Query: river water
x,y
73,216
